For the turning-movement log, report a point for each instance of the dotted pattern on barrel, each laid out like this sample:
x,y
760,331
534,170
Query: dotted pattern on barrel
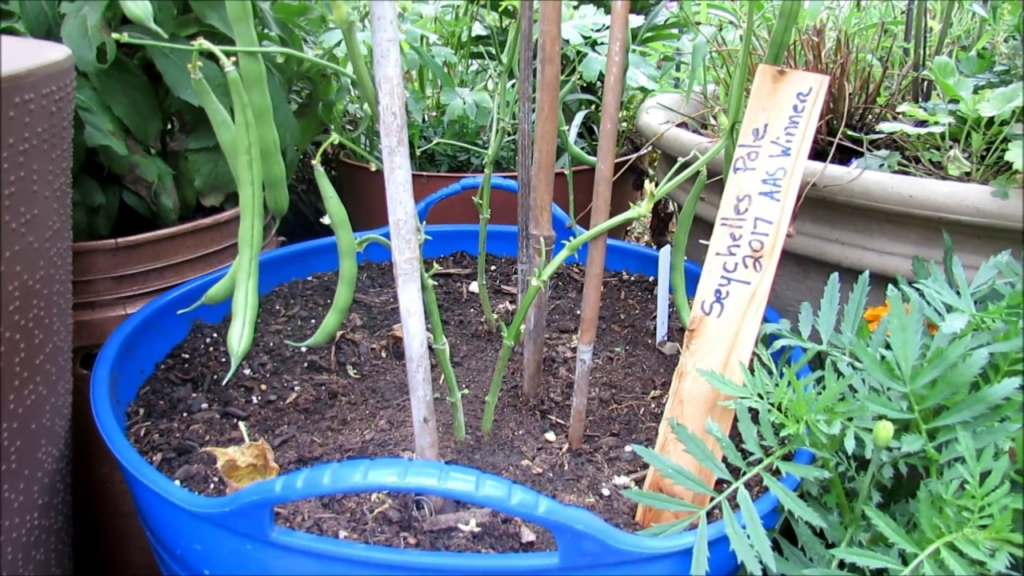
x,y
35,322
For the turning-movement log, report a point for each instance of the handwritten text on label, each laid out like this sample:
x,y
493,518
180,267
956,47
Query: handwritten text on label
x,y
751,222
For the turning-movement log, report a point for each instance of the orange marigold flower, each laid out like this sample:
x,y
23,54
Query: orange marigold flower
x,y
875,314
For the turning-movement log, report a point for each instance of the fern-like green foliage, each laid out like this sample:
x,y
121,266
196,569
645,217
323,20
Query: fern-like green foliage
x,y
939,495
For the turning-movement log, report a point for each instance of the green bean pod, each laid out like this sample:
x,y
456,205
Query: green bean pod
x,y
219,292
682,235
254,73
224,128
245,302
348,268
221,121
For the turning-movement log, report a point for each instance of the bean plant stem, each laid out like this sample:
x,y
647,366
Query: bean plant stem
x,y
207,47
483,197
636,211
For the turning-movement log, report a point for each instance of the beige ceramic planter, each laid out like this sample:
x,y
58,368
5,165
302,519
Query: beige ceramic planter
x,y
855,218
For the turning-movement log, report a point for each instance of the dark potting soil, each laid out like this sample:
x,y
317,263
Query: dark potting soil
x,y
350,400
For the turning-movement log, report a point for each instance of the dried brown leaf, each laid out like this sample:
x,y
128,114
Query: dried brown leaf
x,y
245,464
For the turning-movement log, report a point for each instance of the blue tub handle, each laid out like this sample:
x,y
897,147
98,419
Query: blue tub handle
x,y
559,218
580,534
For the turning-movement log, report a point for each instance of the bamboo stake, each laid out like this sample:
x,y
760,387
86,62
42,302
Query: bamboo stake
x,y
607,146
542,236
403,222
524,143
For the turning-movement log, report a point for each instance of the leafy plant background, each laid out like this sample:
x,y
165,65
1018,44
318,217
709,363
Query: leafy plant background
x,y
145,156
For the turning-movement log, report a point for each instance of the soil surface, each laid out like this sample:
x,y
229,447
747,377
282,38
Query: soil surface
x,y
350,400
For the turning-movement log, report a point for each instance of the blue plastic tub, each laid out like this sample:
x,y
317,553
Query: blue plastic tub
x,y
236,534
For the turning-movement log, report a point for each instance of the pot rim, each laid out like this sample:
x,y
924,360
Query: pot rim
x,y
156,235
965,203
131,459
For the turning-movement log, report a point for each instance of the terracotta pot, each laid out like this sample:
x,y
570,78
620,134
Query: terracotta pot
x,y
853,218
112,279
362,191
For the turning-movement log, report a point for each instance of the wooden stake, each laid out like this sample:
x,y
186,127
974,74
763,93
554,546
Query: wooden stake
x,y
404,224
607,147
542,236
757,205
524,143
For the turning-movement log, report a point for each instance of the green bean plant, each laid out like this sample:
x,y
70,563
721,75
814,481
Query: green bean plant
x,y
241,280
913,411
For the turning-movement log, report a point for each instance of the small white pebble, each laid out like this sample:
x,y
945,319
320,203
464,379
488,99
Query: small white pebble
x,y
255,400
297,388
247,371
177,482
606,492
263,387
628,448
326,220
185,356
493,268
550,436
651,279
204,406
621,480
302,349
474,288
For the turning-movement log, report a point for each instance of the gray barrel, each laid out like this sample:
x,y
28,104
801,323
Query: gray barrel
x,y
38,101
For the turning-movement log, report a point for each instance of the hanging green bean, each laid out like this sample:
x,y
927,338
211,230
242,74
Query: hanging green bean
x,y
254,74
224,130
245,302
348,268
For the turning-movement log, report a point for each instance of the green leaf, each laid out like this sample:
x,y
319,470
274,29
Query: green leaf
x,y
660,501
748,431
700,451
697,58
725,444
173,67
853,311
1002,100
805,320
954,323
803,471
957,565
865,558
85,31
592,67
214,13
891,530
755,529
724,384
828,312
138,204
701,554
790,501
673,472
211,178
141,12
979,403
102,128
435,67
130,96
41,18
890,127
738,541
1015,155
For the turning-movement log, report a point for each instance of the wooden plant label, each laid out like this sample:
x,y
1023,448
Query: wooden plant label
x,y
757,205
